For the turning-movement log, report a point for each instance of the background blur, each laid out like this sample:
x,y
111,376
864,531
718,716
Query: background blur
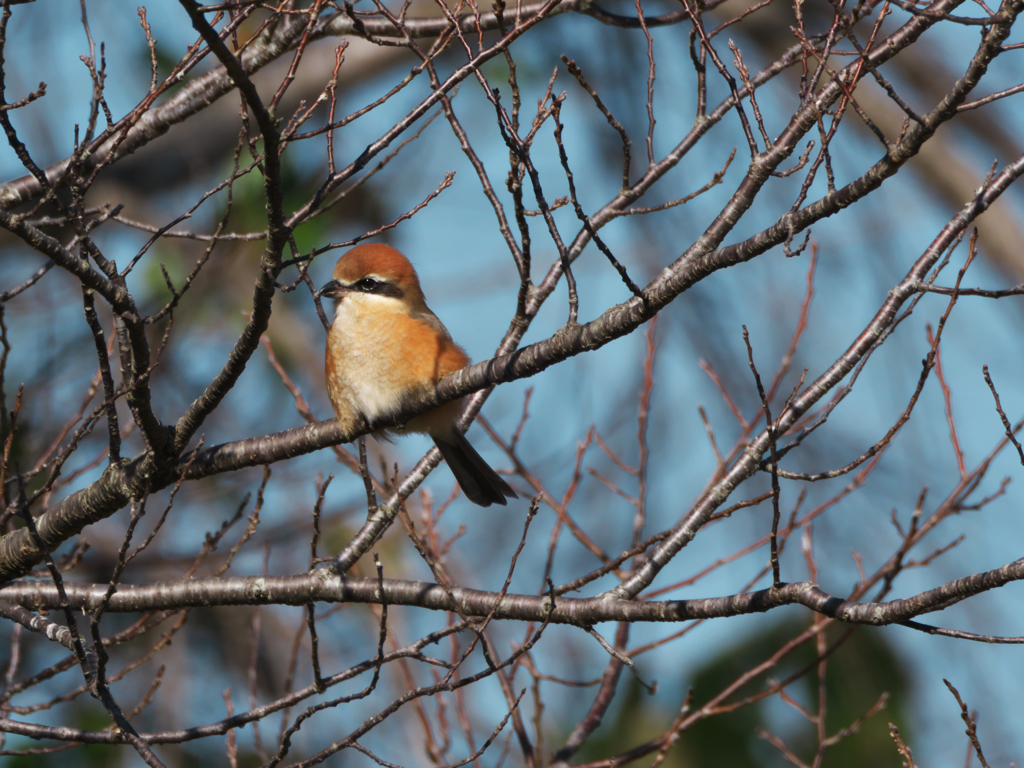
x,y
470,283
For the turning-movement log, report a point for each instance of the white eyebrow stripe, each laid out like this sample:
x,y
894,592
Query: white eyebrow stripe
x,y
345,308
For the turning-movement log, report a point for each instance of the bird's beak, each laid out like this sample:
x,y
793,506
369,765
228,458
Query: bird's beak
x,y
333,290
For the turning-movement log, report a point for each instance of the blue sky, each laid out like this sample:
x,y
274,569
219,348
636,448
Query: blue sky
x,y
470,283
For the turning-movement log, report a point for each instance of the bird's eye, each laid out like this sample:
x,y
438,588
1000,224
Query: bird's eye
x,y
369,285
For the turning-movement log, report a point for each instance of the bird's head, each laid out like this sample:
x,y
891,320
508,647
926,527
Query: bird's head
x,y
375,270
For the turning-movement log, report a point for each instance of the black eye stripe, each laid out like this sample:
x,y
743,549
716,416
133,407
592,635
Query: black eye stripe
x,y
378,287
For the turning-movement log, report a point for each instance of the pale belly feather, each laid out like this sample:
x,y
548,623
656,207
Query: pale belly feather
x,y
370,373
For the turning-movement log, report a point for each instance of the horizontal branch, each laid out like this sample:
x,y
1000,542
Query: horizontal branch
x,y
324,586
241,719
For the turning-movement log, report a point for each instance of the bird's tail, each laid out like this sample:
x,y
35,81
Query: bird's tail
x,y
478,481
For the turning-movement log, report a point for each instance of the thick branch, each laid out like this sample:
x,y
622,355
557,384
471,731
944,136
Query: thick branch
x,y
323,586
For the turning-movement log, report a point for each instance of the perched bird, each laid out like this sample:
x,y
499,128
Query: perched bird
x,y
385,348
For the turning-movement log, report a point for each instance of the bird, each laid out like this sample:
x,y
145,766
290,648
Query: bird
x,y
385,348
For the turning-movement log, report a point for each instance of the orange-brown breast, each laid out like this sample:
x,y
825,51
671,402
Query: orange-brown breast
x,y
378,357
